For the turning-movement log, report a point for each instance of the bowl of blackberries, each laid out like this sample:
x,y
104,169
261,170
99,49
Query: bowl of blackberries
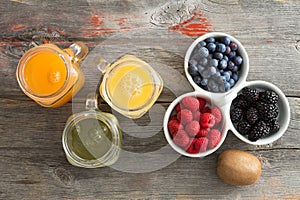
x,y
216,63
260,113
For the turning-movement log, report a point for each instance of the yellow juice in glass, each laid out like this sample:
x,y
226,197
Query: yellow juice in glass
x,y
131,86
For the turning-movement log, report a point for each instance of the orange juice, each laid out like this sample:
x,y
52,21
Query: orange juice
x,y
130,87
45,73
51,76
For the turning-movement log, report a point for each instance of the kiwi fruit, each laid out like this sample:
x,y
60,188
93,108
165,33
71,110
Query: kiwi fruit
x,y
238,168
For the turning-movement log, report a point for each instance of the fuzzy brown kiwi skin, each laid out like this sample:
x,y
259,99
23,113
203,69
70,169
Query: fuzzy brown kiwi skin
x,y
238,168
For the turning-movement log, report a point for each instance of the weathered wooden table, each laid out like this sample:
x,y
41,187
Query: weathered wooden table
x,y
33,164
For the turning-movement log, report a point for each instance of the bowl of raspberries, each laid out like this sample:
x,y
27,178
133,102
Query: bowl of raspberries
x,y
216,63
194,125
260,113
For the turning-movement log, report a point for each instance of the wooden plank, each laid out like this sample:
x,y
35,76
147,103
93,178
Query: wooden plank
x,y
33,164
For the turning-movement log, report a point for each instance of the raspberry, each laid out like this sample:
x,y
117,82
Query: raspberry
x,y
192,128
190,103
202,132
207,120
174,126
216,112
204,142
178,108
173,117
181,138
196,115
184,116
202,103
214,137
197,145
206,110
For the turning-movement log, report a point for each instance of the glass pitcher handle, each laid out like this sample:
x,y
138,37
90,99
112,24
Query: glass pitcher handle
x,y
91,102
78,51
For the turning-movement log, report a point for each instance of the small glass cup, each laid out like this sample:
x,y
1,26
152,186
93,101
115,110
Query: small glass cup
x,y
92,138
130,85
51,76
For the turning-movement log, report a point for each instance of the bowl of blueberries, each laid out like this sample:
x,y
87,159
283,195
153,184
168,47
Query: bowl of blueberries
x,y
216,65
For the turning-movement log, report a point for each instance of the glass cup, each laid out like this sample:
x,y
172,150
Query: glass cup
x,y
130,85
92,138
51,76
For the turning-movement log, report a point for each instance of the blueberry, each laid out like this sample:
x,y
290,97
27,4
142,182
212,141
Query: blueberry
x,y
210,40
226,58
212,85
212,70
225,40
238,60
235,77
211,47
223,78
218,56
228,50
203,62
231,82
193,70
232,54
226,75
201,44
227,86
220,80
235,68
214,62
203,52
231,65
217,74
197,80
200,68
193,62
206,73
204,82
220,47
233,46
222,64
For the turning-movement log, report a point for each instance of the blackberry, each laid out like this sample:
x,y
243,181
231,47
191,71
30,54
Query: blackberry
x,y
252,115
236,114
251,95
240,102
269,96
258,131
243,127
274,125
267,111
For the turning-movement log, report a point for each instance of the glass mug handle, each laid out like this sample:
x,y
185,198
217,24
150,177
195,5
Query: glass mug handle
x,y
78,51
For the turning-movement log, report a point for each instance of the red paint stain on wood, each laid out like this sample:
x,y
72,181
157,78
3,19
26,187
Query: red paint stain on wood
x,y
197,25
18,27
105,25
96,21
122,20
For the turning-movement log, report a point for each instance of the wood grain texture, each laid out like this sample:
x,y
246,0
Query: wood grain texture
x,y
33,164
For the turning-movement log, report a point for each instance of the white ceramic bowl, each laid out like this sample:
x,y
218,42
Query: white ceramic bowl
x,y
169,112
224,100
243,73
284,114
